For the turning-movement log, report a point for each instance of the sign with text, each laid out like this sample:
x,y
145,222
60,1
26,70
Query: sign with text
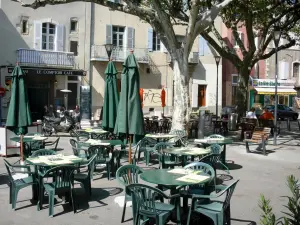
x,y
51,72
152,97
271,83
85,102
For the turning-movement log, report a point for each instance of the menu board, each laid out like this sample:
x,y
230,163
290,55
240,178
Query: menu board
x,y
85,102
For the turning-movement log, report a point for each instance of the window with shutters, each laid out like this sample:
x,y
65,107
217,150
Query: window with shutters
x,y
73,25
155,42
74,47
24,26
241,37
48,36
118,36
296,69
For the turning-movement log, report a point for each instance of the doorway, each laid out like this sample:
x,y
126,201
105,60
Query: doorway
x,y
72,97
38,97
201,95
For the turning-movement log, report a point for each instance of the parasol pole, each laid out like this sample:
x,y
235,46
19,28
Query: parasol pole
x,y
21,147
129,154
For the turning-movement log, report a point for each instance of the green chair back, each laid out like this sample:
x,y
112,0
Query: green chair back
x,y
144,197
128,174
62,176
42,152
101,152
99,136
75,147
229,191
82,135
91,166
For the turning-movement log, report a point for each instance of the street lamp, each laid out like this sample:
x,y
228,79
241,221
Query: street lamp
x,y
217,59
277,35
109,49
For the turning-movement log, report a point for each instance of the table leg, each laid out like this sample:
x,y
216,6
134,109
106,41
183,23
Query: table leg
x,y
176,202
223,155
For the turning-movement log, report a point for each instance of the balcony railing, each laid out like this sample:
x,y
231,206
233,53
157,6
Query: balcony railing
x,y
31,57
119,54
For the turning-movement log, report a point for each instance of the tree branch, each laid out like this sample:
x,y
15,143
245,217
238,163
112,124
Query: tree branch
x,y
269,54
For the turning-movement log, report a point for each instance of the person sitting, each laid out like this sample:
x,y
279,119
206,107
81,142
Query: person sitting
x,y
251,114
266,115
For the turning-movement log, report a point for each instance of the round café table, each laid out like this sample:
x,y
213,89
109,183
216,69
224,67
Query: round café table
x,y
162,137
187,151
170,178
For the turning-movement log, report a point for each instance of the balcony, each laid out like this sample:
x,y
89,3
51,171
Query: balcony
x,y
119,54
31,57
193,58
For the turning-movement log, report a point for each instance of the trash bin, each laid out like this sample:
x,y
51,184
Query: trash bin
x,y
232,122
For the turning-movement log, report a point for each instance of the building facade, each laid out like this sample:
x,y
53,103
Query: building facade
x,y
63,48
50,45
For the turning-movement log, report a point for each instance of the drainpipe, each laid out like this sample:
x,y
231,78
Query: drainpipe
x,y
92,33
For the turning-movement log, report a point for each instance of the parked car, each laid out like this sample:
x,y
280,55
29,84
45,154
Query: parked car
x,y
283,111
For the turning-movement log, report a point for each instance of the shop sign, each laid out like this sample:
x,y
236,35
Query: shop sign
x,y
52,72
271,83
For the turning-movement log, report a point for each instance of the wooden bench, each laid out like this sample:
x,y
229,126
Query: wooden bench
x,y
260,136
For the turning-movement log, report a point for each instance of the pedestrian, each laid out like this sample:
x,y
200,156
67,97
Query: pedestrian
x,y
251,114
266,115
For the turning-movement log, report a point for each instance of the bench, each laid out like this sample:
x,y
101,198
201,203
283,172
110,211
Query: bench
x,y
260,136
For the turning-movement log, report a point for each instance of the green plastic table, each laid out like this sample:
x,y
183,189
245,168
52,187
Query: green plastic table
x,y
95,131
162,137
187,151
163,177
223,142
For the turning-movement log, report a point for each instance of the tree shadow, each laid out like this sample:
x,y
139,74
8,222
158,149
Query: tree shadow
x,y
246,222
223,177
4,179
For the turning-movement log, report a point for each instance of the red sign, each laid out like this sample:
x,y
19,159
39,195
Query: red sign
x,y
2,91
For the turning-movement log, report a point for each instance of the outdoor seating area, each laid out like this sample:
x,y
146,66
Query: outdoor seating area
x,y
177,170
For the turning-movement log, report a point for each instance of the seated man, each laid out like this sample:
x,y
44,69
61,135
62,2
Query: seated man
x,y
251,114
266,115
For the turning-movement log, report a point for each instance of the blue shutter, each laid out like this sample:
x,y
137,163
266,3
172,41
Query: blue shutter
x,y
108,34
130,37
37,43
59,38
150,39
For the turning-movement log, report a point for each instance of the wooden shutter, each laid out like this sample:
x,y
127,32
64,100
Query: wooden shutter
x,y
150,39
108,34
37,42
130,37
201,46
59,37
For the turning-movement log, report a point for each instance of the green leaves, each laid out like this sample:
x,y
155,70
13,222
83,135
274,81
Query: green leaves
x,y
292,215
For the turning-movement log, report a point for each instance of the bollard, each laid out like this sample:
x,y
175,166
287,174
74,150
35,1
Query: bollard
x,y
288,124
201,124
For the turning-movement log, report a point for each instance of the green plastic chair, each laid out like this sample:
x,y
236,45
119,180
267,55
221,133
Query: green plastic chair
x,y
166,160
145,200
52,143
216,208
214,158
62,183
99,136
82,135
199,188
128,174
144,146
76,148
85,178
102,157
16,184
42,152
181,138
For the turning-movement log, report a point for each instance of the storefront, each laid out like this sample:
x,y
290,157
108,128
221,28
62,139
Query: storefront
x,y
44,85
262,92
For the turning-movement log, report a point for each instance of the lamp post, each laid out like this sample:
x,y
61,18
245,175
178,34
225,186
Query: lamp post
x,y
276,34
217,59
109,49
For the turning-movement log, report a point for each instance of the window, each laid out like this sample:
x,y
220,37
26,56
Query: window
x,y
296,69
201,95
48,36
74,47
24,26
155,42
241,37
235,79
118,36
74,25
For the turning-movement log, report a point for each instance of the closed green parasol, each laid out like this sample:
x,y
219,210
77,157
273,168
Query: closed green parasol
x,y
130,119
19,116
111,98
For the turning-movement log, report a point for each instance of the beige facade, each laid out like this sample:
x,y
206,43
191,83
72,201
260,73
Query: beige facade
x,y
96,26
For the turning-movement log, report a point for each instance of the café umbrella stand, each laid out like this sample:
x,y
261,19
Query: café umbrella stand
x,y
19,116
130,120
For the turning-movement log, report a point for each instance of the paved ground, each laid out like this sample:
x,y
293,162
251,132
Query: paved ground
x,y
258,174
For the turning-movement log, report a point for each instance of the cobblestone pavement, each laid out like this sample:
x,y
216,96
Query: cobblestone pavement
x,y
258,174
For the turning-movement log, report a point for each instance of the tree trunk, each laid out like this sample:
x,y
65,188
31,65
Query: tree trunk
x,y
242,92
181,108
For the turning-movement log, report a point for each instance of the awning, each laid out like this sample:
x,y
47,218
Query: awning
x,y
280,91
